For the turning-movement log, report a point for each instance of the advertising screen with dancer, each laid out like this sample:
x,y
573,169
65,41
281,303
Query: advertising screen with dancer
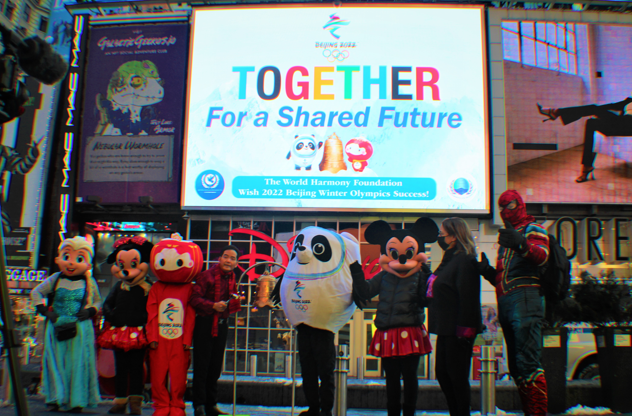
x,y
576,76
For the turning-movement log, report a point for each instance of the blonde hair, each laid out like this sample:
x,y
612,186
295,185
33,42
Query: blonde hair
x,y
82,243
79,243
457,227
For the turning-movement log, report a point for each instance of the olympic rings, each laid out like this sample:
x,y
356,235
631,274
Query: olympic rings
x,y
335,55
170,332
301,307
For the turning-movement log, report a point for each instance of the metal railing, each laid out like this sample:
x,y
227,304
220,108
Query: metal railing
x,y
342,368
488,380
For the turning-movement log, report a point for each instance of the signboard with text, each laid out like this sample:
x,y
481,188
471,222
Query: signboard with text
x,y
133,112
148,160
371,107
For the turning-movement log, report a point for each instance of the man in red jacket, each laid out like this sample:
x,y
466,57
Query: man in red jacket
x,y
214,297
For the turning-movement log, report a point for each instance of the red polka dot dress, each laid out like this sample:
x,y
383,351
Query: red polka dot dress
x,y
397,342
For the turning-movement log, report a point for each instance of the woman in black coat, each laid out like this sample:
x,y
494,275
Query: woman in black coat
x,y
454,312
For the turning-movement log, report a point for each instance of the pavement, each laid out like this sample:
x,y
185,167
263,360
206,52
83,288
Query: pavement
x,y
38,407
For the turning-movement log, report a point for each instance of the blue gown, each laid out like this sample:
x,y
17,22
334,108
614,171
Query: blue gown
x,y
69,374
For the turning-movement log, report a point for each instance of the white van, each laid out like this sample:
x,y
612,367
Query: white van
x,y
582,354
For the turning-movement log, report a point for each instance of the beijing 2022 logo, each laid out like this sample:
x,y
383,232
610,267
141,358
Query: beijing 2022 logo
x,y
209,184
462,187
334,24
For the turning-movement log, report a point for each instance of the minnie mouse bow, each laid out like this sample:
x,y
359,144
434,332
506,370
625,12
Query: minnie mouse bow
x,y
130,240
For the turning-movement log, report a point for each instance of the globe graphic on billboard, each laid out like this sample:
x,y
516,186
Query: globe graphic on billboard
x,y
209,184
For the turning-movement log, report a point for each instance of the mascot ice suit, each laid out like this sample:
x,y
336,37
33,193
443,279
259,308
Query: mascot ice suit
x,y
316,294
170,321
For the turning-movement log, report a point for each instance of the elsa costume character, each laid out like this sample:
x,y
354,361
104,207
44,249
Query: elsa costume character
x,y
69,373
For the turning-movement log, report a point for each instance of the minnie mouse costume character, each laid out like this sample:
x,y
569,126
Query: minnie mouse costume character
x,y
125,313
401,337
171,319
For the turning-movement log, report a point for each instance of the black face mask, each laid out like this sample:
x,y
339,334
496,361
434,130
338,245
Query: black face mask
x,y
441,241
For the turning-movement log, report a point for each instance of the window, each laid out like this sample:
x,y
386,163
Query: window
x,y
43,25
27,13
8,12
546,45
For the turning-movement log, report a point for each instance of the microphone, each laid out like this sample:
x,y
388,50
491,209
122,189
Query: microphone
x,y
35,56
38,59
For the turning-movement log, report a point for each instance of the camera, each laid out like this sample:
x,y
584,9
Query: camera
x,y
33,56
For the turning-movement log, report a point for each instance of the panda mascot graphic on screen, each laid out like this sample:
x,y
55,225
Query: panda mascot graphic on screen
x,y
316,294
304,151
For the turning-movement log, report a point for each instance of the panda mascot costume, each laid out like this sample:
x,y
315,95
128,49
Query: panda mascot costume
x,y
316,294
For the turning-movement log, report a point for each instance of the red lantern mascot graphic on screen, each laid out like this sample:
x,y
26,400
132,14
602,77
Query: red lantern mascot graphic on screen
x,y
359,150
175,263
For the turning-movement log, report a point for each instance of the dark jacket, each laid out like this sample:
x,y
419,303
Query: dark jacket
x,y
126,307
516,269
401,299
455,306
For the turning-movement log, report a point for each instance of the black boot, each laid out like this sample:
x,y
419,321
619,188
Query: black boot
x,y
409,410
394,409
215,411
199,411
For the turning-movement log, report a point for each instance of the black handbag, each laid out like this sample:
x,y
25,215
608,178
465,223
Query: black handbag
x,y
66,331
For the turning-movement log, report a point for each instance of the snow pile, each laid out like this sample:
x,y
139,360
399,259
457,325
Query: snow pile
x,y
585,410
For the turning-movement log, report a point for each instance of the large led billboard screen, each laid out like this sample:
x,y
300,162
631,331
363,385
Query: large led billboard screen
x,y
132,123
577,148
373,107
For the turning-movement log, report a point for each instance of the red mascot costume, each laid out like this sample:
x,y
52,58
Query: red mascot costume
x,y
170,321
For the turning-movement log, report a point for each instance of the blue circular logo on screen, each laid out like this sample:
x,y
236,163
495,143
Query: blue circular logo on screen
x,y
461,187
209,184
